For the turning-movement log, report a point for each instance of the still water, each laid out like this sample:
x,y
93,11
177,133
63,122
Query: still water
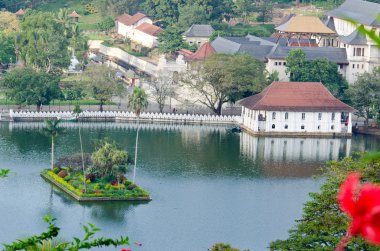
x,y
207,185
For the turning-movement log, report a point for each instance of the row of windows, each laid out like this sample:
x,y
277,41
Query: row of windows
x,y
303,116
302,127
357,66
279,63
358,52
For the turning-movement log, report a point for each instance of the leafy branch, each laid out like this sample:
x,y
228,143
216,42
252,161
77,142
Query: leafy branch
x,y
4,173
86,243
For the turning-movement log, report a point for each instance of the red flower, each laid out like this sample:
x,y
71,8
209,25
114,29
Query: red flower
x,y
124,249
362,204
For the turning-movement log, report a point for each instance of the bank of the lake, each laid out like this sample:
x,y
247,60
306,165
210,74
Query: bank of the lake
x,y
208,185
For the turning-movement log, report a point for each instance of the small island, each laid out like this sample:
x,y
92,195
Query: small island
x,y
104,171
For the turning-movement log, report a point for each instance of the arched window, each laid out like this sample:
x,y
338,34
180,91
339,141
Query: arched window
x,y
273,126
302,127
286,126
273,115
286,115
332,127
319,127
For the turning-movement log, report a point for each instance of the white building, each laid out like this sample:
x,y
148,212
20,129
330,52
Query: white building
x,y
198,34
146,35
362,53
126,24
296,108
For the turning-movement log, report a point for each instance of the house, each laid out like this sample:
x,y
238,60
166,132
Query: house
x,y
126,24
146,35
20,13
296,108
75,16
198,34
310,27
362,53
276,59
139,28
274,54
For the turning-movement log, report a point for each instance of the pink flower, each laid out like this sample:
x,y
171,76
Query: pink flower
x,y
124,249
362,204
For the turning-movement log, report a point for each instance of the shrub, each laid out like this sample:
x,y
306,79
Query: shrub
x,y
74,161
62,173
91,177
56,170
67,178
131,186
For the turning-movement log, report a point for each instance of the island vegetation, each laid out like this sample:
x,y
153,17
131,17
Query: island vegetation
x,y
103,179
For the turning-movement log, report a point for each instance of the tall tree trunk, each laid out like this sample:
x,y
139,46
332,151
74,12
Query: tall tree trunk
x,y
81,149
137,141
52,153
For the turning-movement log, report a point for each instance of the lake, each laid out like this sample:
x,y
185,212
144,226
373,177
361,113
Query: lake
x,y
208,185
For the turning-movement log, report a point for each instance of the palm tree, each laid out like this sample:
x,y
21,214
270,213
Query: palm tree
x,y
52,129
64,20
138,101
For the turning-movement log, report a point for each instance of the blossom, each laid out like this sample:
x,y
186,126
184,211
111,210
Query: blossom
x,y
124,249
362,203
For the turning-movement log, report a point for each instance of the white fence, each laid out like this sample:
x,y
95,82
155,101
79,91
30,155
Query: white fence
x,y
125,115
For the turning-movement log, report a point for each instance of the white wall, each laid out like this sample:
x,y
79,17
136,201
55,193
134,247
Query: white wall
x,y
144,39
294,122
198,41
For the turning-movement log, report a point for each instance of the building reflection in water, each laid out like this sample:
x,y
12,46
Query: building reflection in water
x,y
298,157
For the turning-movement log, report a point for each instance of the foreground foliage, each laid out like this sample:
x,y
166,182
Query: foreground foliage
x,y
35,242
323,224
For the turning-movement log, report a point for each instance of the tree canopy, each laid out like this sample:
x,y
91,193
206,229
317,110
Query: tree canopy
x,y
318,70
43,42
102,83
9,23
28,87
323,224
225,78
190,14
365,94
170,40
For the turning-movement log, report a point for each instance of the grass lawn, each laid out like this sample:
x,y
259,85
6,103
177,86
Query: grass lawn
x,y
97,36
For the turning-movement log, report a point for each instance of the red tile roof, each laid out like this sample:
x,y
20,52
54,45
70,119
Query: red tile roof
x,y
186,53
20,12
130,20
149,29
295,96
74,14
203,52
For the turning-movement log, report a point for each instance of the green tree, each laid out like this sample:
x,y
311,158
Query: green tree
x,y
190,14
138,102
323,224
28,87
52,129
79,45
9,23
65,21
265,11
7,52
165,11
318,70
43,44
243,8
106,24
102,83
225,78
222,247
117,7
171,40
365,94
217,10
109,161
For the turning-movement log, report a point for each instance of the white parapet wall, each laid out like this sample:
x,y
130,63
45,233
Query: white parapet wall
x,y
126,116
140,63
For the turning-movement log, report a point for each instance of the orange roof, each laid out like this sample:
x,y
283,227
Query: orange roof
x,y
295,96
149,29
186,53
74,14
20,12
130,20
203,52
304,24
